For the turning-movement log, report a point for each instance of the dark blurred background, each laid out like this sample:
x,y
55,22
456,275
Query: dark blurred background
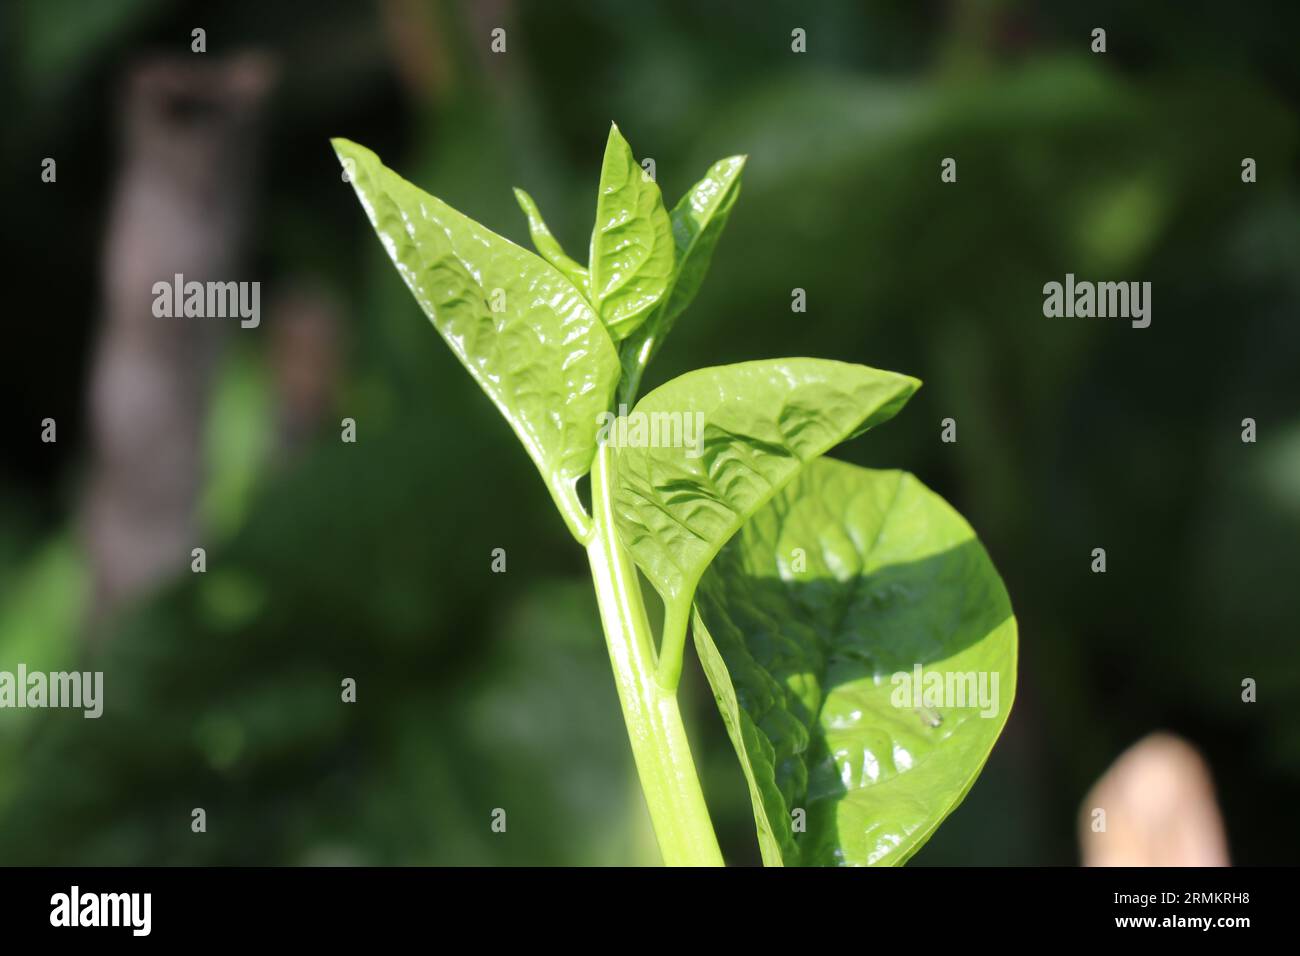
x,y
371,560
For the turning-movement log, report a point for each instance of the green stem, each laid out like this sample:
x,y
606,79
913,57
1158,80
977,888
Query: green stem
x,y
654,723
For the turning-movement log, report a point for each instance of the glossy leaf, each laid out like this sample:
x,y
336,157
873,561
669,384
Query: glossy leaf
x,y
759,424
632,250
847,578
523,331
548,245
697,222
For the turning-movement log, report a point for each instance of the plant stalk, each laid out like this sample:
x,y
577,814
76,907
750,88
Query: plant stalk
x,y
654,722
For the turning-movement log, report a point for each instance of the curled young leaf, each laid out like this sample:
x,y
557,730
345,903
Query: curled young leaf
x,y
522,329
547,244
632,251
862,650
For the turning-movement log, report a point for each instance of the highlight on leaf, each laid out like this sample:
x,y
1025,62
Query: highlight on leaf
x,y
632,249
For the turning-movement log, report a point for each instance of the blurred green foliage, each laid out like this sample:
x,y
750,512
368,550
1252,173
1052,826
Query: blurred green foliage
x,y
478,691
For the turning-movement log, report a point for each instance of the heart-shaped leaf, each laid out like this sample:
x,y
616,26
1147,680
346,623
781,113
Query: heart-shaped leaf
x,y
697,221
862,650
719,443
632,251
522,330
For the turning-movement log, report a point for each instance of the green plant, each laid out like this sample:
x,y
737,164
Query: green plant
x,y
820,593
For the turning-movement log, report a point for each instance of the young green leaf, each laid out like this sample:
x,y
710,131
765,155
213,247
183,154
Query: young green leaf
x,y
632,249
847,579
523,331
548,245
697,220
759,424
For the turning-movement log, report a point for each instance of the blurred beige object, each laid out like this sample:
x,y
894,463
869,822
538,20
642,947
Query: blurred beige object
x,y
1155,806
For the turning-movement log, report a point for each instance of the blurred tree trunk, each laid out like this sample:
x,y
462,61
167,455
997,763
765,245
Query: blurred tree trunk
x,y
180,206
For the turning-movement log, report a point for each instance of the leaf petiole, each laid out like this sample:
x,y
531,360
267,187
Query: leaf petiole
x,y
654,722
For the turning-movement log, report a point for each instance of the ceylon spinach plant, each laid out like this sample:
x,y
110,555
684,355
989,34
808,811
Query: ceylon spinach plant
x,y
847,619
